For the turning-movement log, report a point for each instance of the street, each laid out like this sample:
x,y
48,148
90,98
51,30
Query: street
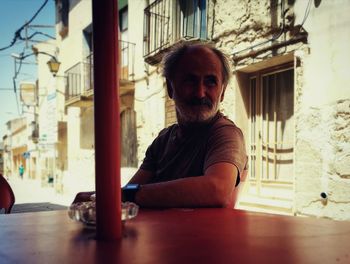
x,y
31,197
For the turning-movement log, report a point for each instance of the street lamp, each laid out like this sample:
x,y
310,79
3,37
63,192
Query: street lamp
x,y
53,65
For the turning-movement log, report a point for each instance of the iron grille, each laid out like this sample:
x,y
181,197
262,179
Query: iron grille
x,y
167,22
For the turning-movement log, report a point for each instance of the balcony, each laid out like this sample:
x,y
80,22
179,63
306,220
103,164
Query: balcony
x,y
168,22
80,82
127,63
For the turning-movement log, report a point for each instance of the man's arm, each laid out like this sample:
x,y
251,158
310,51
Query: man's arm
x,y
213,189
141,177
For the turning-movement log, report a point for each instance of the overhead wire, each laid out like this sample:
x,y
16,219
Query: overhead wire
x,y
37,33
17,103
17,35
307,11
11,89
17,39
17,70
20,59
6,88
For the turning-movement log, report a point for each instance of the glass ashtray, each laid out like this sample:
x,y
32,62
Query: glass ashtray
x,y
85,212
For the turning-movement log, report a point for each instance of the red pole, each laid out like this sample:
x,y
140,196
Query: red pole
x,y
107,122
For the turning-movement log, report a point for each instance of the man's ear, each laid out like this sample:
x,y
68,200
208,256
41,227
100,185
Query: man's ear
x,y
169,88
223,93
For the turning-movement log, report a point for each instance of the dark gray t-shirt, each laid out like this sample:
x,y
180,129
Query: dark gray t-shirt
x,y
180,152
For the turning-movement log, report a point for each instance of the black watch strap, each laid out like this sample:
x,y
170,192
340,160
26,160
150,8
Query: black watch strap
x,y
129,192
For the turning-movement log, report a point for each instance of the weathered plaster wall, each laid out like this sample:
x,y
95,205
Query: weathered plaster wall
x,y
87,140
149,88
322,161
322,151
240,22
150,109
71,47
81,165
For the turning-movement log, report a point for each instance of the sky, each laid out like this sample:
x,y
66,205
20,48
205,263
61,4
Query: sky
x,y
13,15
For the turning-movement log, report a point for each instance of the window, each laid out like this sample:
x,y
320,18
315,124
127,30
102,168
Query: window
x,y
128,138
123,19
194,18
124,44
167,22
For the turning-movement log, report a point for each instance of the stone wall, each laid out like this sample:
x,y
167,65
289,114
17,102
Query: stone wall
x,y
322,161
150,95
170,112
322,148
322,151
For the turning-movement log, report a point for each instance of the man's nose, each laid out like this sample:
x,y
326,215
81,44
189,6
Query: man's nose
x,y
200,89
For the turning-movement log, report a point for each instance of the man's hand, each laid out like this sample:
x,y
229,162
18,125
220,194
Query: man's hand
x,y
83,197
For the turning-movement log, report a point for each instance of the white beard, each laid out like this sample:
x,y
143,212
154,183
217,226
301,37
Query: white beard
x,y
195,114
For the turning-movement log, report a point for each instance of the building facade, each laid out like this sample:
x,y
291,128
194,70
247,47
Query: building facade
x,y
74,81
2,158
288,93
18,149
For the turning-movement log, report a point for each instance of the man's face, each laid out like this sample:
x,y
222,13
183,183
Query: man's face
x,y
196,86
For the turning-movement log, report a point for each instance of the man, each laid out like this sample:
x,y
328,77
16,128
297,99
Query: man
x,y
197,162
21,171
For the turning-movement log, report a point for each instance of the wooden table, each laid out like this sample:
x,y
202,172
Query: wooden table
x,y
177,236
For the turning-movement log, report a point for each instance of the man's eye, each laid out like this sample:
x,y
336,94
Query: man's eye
x,y
211,81
190,80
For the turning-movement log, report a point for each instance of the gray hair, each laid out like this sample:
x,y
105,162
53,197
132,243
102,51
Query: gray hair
x,y
170,60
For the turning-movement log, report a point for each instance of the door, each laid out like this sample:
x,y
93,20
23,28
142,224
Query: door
x,y
272,126
128,138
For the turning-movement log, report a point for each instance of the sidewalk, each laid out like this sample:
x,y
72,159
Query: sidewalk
x,y
31,197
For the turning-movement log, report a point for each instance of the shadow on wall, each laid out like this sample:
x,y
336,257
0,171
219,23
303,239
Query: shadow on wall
x,y
317,3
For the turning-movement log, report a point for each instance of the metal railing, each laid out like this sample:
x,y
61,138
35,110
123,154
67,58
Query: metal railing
x,y
80,77
167,21
89,72
127,60
74,86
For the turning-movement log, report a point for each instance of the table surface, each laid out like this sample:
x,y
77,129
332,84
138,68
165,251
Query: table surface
x,y
176,236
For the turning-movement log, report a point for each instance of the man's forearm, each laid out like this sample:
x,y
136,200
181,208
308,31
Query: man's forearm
x,y
202,191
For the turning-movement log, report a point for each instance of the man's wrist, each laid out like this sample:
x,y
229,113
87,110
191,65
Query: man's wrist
x,y
129,192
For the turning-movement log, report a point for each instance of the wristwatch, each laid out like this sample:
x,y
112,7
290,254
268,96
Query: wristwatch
x,y
129,192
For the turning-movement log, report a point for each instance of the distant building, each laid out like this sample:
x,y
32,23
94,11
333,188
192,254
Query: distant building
x,y
15,146
1,158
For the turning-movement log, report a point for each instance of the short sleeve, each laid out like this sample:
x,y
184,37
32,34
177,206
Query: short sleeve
x,y
153,151
226,144
149,162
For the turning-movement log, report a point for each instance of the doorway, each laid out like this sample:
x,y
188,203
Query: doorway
x,y
272,127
